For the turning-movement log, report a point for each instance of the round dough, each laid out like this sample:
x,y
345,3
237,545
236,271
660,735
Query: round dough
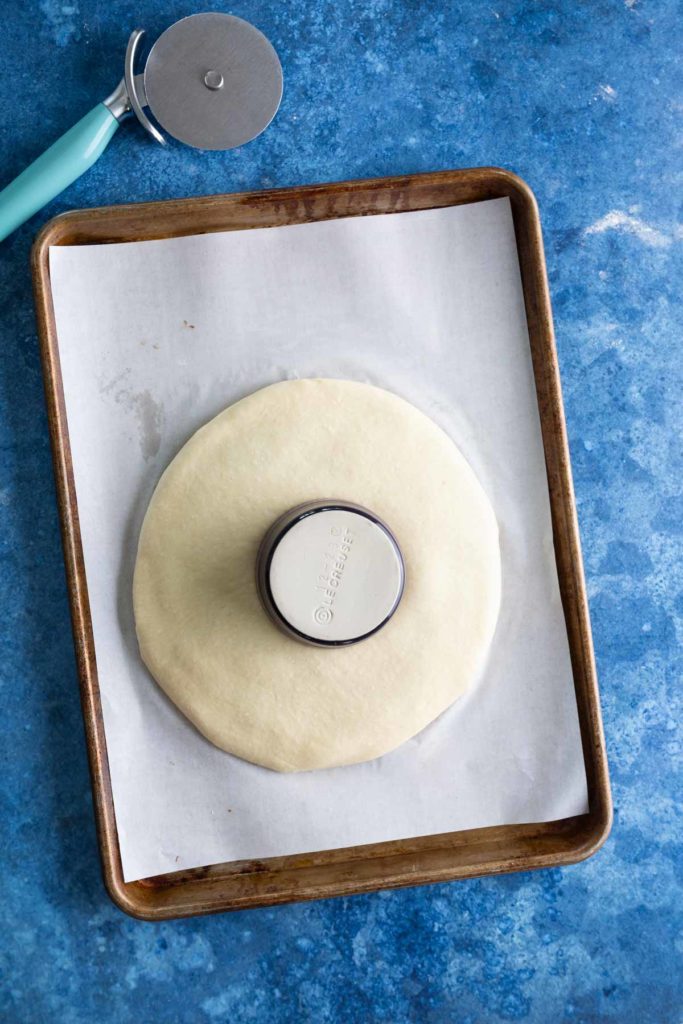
x,y
202,631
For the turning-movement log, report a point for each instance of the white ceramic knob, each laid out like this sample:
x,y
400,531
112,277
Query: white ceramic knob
x,y
330,573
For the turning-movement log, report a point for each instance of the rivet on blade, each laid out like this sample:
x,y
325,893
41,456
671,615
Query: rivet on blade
x,y
213,80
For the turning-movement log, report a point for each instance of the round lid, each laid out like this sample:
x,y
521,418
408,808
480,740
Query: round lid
x,y
330,573
213,81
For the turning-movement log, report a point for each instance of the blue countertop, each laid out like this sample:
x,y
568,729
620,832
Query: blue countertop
x,y
582,100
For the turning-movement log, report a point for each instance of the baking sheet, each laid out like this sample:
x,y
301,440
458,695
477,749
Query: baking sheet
x,y
157,337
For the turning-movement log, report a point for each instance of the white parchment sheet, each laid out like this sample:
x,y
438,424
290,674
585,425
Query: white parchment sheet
x,y
156,338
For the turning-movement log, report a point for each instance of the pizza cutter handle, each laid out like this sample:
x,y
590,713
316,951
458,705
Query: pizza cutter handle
x,y
60,165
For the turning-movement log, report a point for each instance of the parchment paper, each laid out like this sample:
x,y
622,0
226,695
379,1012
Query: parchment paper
x,y
156,338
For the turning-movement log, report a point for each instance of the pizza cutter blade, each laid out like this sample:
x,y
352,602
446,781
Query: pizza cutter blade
x,y
212,81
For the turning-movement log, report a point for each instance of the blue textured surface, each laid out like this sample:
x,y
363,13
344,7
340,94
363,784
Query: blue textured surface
x,y
582,100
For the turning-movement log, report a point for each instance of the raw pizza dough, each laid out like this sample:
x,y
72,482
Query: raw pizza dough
x,y
202,631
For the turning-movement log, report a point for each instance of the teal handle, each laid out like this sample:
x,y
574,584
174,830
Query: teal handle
x,y
68,158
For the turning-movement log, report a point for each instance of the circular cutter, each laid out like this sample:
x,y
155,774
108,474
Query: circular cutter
x,y
211,81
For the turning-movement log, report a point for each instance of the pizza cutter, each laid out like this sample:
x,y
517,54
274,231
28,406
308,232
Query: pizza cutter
x,y
212,81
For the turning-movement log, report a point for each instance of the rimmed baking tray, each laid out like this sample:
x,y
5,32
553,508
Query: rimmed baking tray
x,y
435,858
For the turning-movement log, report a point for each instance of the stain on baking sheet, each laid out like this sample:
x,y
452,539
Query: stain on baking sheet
x,y
149,415
107,386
